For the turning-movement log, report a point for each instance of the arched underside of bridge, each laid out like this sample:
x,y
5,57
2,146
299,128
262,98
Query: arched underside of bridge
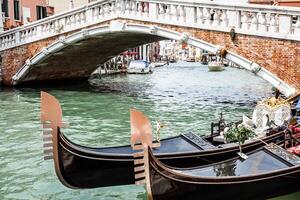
x,y
77,55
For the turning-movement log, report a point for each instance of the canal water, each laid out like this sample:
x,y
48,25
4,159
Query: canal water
x,y
184,96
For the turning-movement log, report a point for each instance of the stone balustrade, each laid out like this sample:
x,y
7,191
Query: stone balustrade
x,y
258,20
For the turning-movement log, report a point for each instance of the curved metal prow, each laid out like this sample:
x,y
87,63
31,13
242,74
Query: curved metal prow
x,y
50,110
141,131
51,119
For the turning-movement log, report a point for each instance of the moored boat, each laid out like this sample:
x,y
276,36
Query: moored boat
x,y
215,66
269,171
78,166
139,67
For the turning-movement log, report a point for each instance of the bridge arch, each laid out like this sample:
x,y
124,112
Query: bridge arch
x,y
137,34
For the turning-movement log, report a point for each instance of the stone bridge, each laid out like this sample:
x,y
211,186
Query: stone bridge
x,y
262,39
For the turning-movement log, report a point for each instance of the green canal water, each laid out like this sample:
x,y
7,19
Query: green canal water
x,y
183,96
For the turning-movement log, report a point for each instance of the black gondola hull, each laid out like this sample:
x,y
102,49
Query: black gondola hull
x,y
167,183
83,168
166,189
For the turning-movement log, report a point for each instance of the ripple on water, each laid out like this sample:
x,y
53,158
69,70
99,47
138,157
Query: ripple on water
x,y
184,98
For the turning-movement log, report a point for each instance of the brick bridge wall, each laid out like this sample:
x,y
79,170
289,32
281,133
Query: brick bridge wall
x,y
281,57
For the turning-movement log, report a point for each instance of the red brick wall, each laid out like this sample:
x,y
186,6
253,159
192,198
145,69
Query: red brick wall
x,y
13,59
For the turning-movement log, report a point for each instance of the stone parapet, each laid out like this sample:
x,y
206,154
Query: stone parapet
x,y
257,20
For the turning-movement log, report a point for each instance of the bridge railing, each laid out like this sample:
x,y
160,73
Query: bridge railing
x,y
266,21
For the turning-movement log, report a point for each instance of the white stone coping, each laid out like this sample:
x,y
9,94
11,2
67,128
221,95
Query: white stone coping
x,y
209,4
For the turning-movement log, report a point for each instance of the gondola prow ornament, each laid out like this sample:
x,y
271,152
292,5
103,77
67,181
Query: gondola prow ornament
x,y
141,132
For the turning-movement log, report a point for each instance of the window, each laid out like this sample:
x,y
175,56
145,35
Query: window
x,y
17,9
5,7
41,12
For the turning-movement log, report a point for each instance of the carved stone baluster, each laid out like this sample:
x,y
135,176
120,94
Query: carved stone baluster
x,y
181,13
224,18
168,12
254,22
139,8
105,10
108,9
127,7
207,17
200,16
4,41
34,32
8,40
273,23
113,8
245,21
175,13
83,17
101,11
297,26
45,28
26,35
134,8
146,9
262,22
118,6
162,11
70,25
216,18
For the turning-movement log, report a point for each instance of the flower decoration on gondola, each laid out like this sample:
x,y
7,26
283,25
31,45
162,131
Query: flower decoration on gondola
x,y
239,133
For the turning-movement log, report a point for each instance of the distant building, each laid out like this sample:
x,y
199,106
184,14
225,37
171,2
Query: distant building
x,y
237,1
19,12
64,5
173,49
294,3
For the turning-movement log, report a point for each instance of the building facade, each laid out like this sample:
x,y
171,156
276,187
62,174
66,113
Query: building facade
x,y
20,12
294,3
64,5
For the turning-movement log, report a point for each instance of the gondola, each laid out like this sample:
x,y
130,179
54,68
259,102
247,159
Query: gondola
x,y
269,171
83,167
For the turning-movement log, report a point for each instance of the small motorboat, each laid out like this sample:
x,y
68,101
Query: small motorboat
x,y
190,59
215,66
79,166
139,67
